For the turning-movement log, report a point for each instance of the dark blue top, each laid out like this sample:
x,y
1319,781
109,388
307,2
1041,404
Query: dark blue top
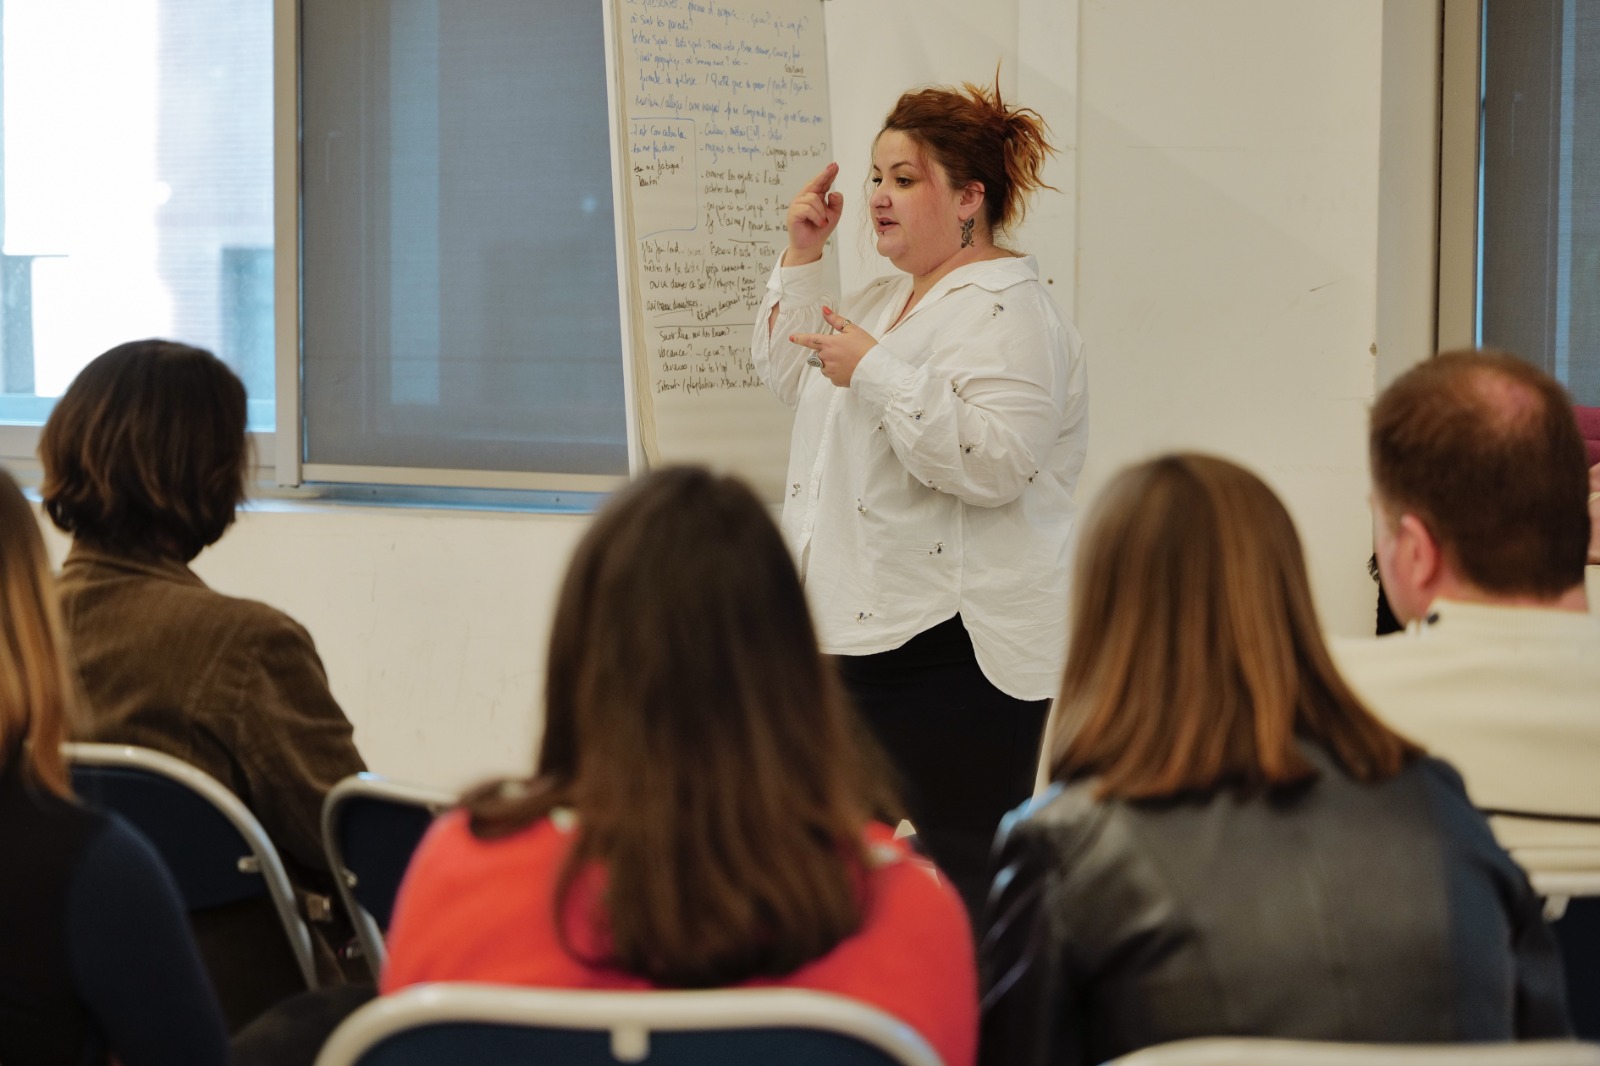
x,y
96,956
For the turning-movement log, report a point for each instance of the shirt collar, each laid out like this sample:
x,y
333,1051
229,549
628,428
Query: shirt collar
x,y
1453,617
83,559
993,275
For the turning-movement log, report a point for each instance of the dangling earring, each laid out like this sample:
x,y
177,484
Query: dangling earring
x,y
966,232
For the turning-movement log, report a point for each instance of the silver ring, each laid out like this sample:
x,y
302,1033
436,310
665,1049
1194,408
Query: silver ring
x,y
814,360
844,323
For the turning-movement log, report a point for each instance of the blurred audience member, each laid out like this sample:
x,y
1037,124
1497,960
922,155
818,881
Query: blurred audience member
x,y
1478,486
96,958
1233,844
706,810
145,458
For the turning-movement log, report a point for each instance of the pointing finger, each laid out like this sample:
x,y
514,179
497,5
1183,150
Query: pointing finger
x,y
823,181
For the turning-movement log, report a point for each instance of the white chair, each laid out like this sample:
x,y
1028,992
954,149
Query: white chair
x,y
370,828
213,846
495,1025
1561,887
1232,1051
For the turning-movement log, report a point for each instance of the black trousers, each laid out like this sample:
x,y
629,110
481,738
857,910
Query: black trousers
x,y
965,752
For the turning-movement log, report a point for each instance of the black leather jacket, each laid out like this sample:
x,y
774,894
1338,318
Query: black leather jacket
x,y
1342,912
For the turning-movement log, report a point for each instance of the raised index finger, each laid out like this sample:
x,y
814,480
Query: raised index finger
x,y
823,181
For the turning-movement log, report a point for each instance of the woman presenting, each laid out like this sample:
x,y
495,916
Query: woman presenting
x,y
940,425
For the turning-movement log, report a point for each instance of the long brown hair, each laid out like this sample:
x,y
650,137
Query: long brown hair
x,y
975,136
1196,661
720,780
36,691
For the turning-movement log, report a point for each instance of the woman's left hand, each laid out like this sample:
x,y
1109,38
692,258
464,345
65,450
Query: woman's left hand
x,y
836,354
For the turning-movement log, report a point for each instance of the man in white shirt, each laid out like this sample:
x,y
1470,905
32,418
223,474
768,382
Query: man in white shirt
x,y
1481,527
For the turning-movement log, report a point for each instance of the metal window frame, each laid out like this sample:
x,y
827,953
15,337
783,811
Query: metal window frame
x,y
1460,121
290,470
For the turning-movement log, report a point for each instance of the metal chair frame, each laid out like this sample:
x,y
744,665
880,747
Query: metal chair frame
x,y
368,786
263,856
629,1017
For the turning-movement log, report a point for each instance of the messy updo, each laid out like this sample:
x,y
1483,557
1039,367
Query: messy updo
x,y
975,136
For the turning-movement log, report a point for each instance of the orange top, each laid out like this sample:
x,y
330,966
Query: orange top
x,y
476,910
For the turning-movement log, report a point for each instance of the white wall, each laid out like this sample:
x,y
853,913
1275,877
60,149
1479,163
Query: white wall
x,y
1245,209
432,624
1237,186
1227,251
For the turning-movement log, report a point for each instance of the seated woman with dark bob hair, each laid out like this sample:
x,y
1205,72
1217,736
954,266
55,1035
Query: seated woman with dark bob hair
x,y
1233,845
144,459
95,956
705,809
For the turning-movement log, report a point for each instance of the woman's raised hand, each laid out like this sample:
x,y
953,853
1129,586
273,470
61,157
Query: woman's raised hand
x,y
836,354
812,216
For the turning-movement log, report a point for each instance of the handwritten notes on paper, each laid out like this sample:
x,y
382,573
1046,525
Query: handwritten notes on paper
x,y
725,117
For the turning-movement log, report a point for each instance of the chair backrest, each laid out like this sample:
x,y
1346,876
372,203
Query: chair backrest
x,y
215,849
491,1025
370,828
1572,904
1233,1051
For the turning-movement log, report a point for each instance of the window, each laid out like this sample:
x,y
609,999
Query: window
x,y
461,319
1539,194
137,191
425,263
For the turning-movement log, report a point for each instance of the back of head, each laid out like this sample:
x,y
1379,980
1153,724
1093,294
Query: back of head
x,y
146,454
1483,448
718,775
35,686
976,136
1196,659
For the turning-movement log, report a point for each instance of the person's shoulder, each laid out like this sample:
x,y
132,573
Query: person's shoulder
x,y
1460,825
168,592
265,634
452,849
1058,824
909,889
1064,806
1439,777
116,862
257,618
1373,665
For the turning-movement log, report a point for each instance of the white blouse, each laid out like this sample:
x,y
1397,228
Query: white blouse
x,y
942,479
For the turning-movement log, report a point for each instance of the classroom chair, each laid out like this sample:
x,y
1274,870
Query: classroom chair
x,y
213,846
370,828
491,1025
1572,904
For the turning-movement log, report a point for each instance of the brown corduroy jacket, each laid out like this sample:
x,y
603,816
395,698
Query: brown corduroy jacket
x,y
229,685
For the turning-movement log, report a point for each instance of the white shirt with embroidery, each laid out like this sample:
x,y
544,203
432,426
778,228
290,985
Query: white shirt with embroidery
x,y
942,479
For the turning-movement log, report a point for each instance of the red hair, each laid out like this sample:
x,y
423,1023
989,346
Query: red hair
x,y
976,137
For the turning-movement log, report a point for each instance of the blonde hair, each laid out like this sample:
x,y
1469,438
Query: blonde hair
x,y
36,689
1196,660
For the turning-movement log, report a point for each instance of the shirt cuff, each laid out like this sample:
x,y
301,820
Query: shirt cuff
x,y
798,286
879,377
